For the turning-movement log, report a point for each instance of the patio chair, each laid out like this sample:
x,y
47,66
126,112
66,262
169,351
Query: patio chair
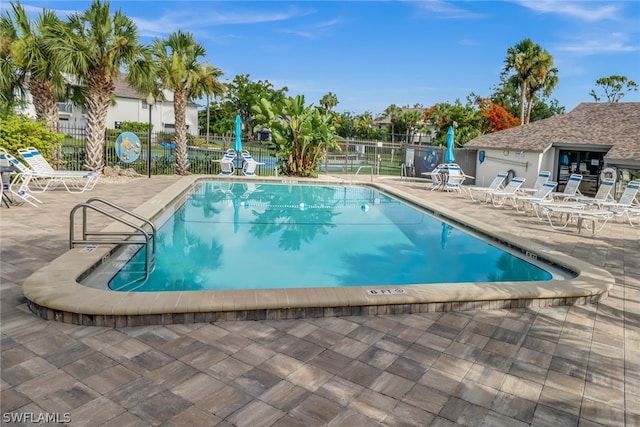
x,y
570,189
627,199
543,177
72,181
496,185
227,163
455,178
436,177
497,198
19,185
526,202
604,193
250,164
560,217
629,213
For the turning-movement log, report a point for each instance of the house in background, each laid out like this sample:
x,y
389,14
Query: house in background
x,y
590,138
130,106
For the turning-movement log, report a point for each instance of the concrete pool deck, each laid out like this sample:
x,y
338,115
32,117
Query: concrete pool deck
x,y
536,365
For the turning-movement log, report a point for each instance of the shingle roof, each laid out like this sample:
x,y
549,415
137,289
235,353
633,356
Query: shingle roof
x,y
125,90
615,125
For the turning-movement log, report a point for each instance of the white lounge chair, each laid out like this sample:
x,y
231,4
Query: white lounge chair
x,y
559,217
496,185
543,177
250,164
19,185
72,181
497,198
571,189
630,213
604,193
627,199
524,203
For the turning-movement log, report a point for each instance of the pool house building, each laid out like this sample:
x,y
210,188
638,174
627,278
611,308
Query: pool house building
x,y
592,139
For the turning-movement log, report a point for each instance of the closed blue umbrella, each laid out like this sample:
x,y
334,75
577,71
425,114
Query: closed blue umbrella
x,y
449,157
238,143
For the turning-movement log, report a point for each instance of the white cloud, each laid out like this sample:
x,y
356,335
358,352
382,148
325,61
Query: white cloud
x,y
444,9
612,43
587,11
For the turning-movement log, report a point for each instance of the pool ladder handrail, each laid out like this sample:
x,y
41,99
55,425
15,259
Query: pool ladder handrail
x,y
138,230
358,171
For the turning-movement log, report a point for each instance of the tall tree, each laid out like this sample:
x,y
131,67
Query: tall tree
x,y
243,93
25,53
329,101
530,63
544,78
179,70
614,88
95,47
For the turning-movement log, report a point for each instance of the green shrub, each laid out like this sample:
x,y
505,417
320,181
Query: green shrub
x,y
21,132
134,127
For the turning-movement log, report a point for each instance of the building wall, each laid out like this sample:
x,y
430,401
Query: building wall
x,y
126,109
523,164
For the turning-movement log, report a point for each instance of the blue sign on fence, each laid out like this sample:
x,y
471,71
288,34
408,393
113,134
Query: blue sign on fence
x,y
128,147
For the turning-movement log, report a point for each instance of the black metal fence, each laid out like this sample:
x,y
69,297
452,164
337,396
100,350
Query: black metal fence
x,y
377,157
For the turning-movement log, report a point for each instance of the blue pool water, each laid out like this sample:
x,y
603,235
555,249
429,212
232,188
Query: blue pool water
x,y
261,236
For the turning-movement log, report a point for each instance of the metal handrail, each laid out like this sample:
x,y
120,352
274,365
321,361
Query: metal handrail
x,y
358,171
149,237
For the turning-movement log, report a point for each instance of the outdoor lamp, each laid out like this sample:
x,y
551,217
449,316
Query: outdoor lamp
x,y
150,101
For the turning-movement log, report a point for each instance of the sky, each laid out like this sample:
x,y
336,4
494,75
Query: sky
x,y
372,54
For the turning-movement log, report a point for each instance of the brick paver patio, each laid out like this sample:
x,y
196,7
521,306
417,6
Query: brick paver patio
x,y
559,366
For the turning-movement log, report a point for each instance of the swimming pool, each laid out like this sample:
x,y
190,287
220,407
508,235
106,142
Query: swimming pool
x,y
247,235
54,292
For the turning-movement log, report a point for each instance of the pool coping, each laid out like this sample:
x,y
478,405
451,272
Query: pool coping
x,y
53,292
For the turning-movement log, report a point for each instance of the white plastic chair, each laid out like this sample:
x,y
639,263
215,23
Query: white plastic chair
x,y
227,166
250,164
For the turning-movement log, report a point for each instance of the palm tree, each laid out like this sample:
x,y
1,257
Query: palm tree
x,y
544,78
176,61
25,53
95,46
526,58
